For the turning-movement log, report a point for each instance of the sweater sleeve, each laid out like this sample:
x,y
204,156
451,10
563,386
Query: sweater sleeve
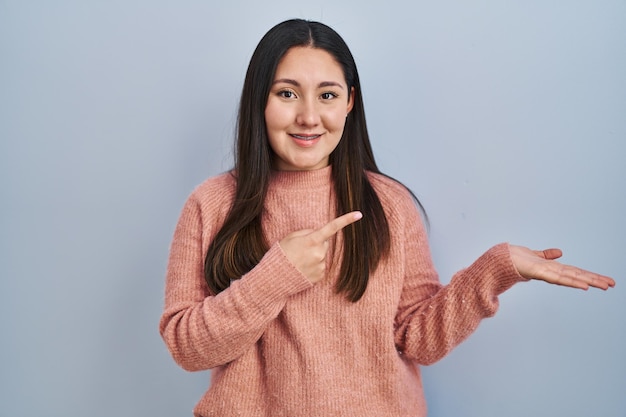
x,y
203,331
432,319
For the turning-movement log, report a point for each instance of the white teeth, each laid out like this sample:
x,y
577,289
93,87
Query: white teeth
x,y
306,137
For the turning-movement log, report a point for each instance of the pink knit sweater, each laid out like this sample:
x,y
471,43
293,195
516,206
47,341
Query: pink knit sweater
x,y
279,346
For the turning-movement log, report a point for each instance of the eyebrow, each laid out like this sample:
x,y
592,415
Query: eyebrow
x,y
297,84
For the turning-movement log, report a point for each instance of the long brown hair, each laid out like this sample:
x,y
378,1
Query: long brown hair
x,y
240,244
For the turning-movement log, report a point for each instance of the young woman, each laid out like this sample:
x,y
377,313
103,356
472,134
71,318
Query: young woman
x,y
303,278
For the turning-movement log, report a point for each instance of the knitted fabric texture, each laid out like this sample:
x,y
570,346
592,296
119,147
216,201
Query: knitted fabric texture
x,y
279,346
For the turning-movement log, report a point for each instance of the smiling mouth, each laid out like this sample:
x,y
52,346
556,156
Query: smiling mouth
x,y
305,137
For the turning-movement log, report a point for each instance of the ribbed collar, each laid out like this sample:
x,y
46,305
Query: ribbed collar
x,y
302,180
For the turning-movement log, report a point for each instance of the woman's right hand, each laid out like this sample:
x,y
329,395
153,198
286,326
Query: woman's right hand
x,y
307,249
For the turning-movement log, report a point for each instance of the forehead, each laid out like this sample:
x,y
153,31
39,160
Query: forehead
x,y
304,63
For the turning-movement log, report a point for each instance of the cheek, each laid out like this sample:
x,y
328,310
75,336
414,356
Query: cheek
x,y
336,121
276,116
269,116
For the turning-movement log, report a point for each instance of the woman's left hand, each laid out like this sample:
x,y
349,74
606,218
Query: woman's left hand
x,y
541,265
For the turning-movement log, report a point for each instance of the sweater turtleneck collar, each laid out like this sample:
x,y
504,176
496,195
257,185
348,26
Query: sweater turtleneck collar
x,y
302,180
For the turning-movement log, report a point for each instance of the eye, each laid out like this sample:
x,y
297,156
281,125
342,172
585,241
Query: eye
x,y
328,96
286,94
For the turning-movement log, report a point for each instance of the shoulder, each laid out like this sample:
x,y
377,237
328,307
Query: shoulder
x,y
397,200
222,183
214,194
390,190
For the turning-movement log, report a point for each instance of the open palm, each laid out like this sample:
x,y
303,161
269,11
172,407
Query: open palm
x,y
541,265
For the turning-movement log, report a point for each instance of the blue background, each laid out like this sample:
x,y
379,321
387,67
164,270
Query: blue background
x,y
507,118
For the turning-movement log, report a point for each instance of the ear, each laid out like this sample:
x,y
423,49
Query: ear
x,y
350,101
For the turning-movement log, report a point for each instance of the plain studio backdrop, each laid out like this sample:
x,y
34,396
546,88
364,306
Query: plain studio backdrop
x,y
507,119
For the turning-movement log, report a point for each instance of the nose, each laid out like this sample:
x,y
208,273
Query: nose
x,y
308,114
